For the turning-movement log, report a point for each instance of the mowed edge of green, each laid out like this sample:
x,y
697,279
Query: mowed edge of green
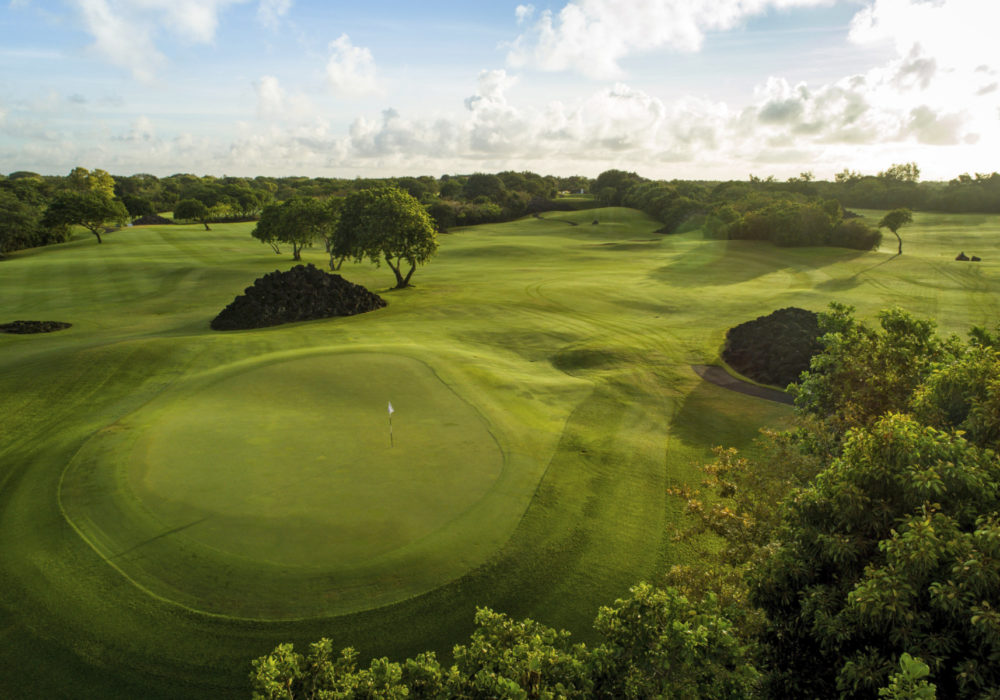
x,y
233,584
554,291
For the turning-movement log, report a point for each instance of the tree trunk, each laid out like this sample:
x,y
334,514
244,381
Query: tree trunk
x,y
97,233
400,282
206,225
296,252
900,251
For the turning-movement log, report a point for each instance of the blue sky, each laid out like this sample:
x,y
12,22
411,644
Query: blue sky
x,y
668,88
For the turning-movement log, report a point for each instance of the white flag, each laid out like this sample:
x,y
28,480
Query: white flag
x,y
390,408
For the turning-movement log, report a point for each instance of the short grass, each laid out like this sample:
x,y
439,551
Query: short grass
x,y
162,486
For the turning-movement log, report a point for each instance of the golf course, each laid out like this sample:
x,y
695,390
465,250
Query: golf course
x,y
175,501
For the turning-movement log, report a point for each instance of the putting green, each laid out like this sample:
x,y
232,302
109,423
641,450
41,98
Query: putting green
x,y
281,474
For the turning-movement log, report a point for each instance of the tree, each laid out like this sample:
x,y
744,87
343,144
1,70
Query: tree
x,y
894,547
612,185
483,185
893,221
298,222
964,395
91,209
332,207
901,172
862,373
385,222
658,645
661,645
137,206
193,210
19,223
97,180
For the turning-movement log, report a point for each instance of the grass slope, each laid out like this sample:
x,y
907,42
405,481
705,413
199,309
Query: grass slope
x,y
570,344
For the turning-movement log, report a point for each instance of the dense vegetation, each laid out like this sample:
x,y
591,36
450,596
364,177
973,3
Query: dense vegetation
x,y
858,548
39,210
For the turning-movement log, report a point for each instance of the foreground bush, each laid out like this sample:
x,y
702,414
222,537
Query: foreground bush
x,y
659,644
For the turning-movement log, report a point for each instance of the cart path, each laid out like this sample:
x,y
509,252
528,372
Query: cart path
x,y
720,377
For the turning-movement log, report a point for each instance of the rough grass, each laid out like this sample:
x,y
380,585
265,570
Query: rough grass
x,y
571,345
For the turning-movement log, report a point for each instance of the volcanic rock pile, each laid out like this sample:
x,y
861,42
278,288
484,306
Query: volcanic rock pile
x,y
152,220
774,349
23,327
301,294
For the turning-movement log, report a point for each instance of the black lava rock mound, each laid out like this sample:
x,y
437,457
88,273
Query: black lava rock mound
x,y
23,327
774,349
301,294
152,220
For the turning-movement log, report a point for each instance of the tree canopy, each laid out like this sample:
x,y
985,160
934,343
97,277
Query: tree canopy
x,y
895,220
193,210
385,223
298,222
91,209
19,223
657,644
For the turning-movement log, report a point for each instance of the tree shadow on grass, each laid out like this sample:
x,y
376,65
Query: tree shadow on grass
x,y
843,283
154,538
712,415
724,263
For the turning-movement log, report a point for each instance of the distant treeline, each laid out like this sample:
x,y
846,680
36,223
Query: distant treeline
x,y
799,211
743,210
41,209
37,210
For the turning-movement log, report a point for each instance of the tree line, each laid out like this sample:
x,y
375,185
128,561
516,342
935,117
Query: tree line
x,y
855,555
39,210
799,211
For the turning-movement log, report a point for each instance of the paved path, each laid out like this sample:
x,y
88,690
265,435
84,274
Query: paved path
x,y
721,377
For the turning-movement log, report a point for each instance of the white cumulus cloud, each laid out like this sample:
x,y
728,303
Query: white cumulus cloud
x,y
270,12
351,69
275,104
592,36
141,131
124,31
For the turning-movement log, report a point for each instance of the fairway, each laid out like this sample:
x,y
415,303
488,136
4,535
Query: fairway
x,y
285,468
175,501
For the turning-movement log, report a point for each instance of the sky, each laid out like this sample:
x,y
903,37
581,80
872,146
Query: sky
x,y
687,89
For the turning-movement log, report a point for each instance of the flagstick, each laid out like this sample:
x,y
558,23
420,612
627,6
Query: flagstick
x,y
390,424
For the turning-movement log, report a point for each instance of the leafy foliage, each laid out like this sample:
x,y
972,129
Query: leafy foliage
x,y
20,223
91,209
658,645
889,550
298,222
894,220
193,210
385,223
862,373
909,682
